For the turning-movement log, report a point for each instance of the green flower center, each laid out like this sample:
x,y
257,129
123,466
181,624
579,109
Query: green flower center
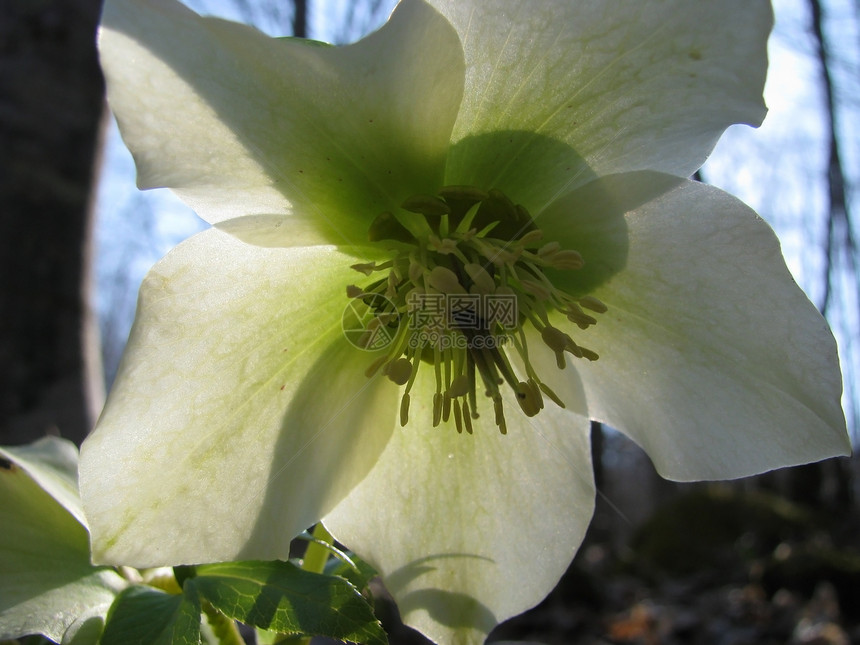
x,y
467,276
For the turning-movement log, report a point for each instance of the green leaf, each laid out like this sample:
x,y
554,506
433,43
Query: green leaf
x,y
47,584
146,616
278,596
356,571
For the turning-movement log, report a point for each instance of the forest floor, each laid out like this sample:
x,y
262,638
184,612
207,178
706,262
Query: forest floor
x,y
712,567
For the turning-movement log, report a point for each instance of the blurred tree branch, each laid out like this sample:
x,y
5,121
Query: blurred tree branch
x,y
840,237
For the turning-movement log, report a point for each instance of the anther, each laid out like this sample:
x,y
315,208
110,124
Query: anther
x,y
481,280
467,417
437,409
445,281
446,406
529,404
531,238
566,259
404,409
444,246
365,267
579,317
500,414
573,348
592,303
459,386
353,291
557,341
590,355
549,248
533,386
536,289
554,338
399,371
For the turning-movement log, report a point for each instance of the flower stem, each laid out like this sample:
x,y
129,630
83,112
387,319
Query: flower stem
x,y
316,556
224,628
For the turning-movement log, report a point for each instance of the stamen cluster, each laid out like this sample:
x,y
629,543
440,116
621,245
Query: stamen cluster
x,y
468,273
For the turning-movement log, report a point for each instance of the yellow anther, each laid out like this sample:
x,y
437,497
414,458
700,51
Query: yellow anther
x,y
399,370
592,303
555,339
529,403
536,392
446,406
500,414
573,348
499,256
444,246
437,409
445,281
404,409
536,289
590,355
459,386
566,259
467,417
549,248
366,267
531,238
579,317
482,280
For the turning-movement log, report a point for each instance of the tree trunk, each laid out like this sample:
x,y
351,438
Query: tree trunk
x,y
51,97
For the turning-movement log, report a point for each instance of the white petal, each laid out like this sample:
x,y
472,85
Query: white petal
x,y
240,414
470,530
240,124
711,357
624,85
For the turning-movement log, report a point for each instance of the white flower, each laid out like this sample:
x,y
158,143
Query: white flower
x,y
241,414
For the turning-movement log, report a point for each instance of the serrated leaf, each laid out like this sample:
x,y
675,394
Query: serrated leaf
x,y
357,571
145,616
278,596
47,583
